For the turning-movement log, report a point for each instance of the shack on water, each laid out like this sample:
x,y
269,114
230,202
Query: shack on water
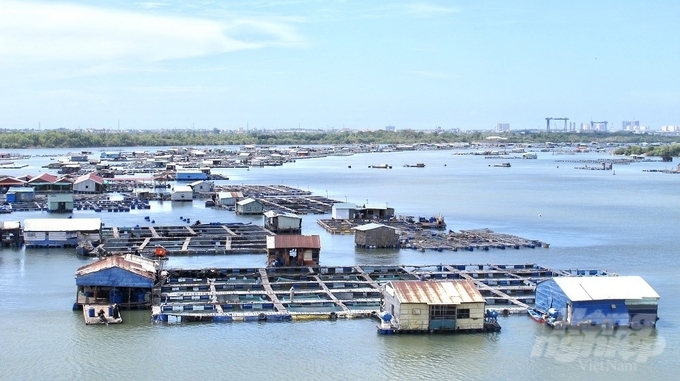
x,y
375,235
60,202
611,301
282,223
182,193
123,280
429,306
10,233
293,250
343,211
61,232
249,206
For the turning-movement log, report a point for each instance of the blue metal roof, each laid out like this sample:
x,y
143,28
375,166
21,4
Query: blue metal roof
x,y
114,277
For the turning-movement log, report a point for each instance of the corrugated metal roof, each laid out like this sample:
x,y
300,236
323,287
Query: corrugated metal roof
x,y
605,288
230,194
183,188
294,242
131,263
273,213
344,205
90,176
372,226
10,225
431,292
44,177
376,206
62,224
246,201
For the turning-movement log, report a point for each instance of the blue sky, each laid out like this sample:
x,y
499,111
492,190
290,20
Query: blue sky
x,y
335,64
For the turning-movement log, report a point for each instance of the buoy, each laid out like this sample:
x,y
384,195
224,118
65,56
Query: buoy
x,y
262,316
333,315
539,214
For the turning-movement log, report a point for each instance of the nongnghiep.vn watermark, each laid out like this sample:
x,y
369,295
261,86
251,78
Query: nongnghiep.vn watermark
x,y
600,350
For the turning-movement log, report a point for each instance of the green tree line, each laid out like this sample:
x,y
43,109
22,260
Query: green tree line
x,y
63,138
672,150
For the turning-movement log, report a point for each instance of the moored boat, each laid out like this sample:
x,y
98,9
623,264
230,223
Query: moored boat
x,y
84,248
536,315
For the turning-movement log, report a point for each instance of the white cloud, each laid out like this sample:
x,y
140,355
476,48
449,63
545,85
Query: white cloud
x,y
55,32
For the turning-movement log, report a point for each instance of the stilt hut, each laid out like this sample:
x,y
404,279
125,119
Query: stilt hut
x,y
10,233
123,280
376,236
293,250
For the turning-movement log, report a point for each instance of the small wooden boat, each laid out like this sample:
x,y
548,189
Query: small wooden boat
x,y
536,315
84,248
101,314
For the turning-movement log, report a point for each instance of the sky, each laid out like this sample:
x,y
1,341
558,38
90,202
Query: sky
x,y
333,64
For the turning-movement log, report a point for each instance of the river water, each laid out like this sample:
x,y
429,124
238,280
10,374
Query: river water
x,y
624,221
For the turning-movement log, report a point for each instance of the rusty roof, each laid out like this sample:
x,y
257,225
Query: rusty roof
x,y
134,264
432,292
294,242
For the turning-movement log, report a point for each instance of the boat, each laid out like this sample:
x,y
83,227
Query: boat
x,y
502,165
381,166
101,314
418,165
536,315
6,208
84,248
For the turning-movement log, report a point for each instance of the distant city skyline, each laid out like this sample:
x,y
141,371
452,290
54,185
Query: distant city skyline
x,y
317,64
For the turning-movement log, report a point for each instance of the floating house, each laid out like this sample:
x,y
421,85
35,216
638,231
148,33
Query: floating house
x,y
343,211
8,182
202,186
182,193
20,194
10,233
60,202
111,155
378,211
190,175
293,250
376,236
229,199
249,206
90,183
48,183
282,222
529,155
60,232
123,280
598,300
429,306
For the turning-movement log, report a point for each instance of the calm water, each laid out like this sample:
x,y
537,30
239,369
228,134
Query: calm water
x,y
625,222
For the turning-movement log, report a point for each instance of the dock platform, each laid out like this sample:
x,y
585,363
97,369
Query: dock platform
x,y
212,238
298,293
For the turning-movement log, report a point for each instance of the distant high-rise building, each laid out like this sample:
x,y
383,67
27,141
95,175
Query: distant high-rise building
x,y
502,127
630,125
390,128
